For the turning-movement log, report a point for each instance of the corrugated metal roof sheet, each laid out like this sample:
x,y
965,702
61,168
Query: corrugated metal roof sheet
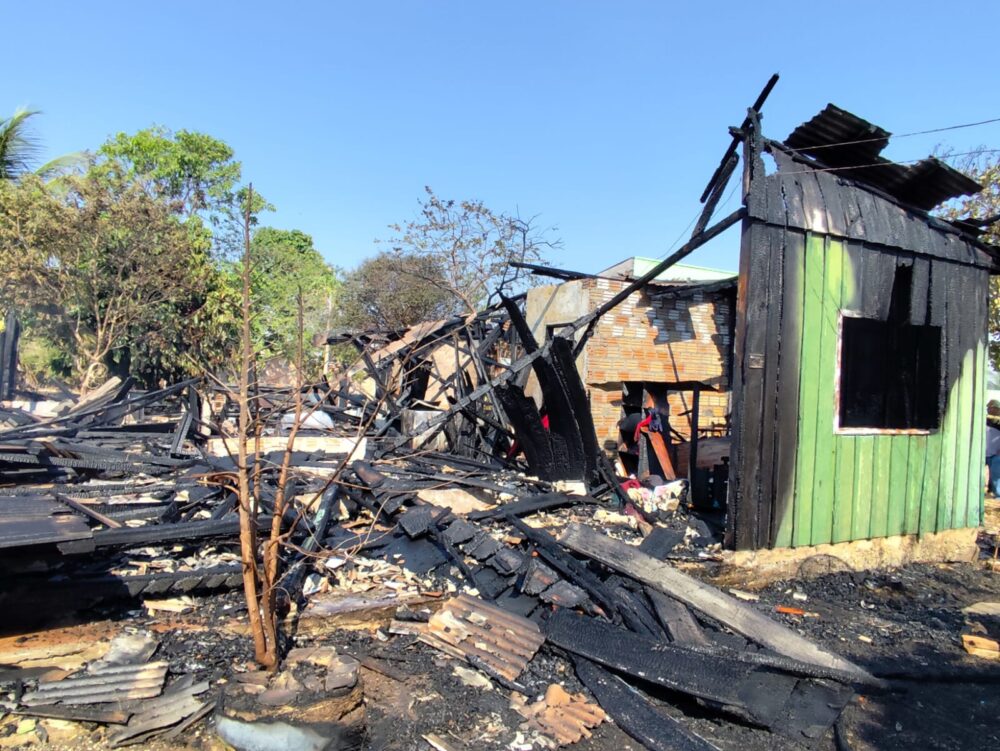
x,y
857,140
839,139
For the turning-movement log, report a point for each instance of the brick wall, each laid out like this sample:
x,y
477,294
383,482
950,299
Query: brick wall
x,y
657,338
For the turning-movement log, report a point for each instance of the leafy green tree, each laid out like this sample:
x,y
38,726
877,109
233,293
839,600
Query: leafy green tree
x,y
94,264
196,174
285,263
198,178
984,168
471,248
196,170
393,290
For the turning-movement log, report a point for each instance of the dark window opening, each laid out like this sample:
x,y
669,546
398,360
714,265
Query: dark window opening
x,y
890,371
889,375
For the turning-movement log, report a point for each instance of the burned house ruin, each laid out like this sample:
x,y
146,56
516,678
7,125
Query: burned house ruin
x,y
860,344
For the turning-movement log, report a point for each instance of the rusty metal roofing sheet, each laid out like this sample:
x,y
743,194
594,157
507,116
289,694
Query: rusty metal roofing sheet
x,y
852,146
565,717
469,628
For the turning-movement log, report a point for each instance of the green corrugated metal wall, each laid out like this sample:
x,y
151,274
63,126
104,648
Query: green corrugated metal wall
x,y
852,487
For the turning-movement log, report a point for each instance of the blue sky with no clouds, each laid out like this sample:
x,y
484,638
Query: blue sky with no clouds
x,y
604,119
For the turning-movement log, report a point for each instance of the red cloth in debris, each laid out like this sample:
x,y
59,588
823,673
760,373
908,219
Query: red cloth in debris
x,y
514,449
641,425
631,483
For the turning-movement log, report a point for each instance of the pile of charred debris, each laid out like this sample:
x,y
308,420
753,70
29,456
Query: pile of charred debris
x,y
433,512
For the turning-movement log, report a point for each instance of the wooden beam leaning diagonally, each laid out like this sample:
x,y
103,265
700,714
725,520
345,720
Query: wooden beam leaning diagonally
x,y
706,598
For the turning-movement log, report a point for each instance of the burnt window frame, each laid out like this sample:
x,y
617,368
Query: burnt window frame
x,y
837,378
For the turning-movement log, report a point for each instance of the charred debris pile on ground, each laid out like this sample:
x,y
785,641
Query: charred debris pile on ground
x,y
530,570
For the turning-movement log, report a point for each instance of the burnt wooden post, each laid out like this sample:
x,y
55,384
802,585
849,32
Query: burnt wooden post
x,y
693,454
8,355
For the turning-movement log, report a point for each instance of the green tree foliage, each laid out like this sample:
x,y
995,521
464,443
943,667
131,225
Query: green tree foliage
x,y
285,263
18,148
393,290
196,174
195,169
984,167
94,265
197,178
471,247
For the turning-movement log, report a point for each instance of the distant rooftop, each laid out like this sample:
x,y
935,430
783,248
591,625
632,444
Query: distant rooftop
x,y
635,267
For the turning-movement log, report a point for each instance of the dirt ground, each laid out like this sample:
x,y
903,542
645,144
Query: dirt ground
x,y
904,624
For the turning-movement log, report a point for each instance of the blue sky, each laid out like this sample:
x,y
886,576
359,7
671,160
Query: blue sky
x,y
605,119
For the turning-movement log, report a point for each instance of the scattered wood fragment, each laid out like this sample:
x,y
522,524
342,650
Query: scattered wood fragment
x,y
87,511
983,608
677,619
980,646
438,743
457,500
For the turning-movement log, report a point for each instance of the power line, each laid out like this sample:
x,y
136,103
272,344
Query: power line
x,y
901,135
886,163
720,206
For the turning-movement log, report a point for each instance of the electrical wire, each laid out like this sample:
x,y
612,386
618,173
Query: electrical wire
x,y
901,135
886,163
725,201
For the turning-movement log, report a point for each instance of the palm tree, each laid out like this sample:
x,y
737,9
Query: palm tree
x,y
20,149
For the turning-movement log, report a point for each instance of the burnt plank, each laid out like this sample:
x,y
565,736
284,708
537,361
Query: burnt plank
x,y
565,368
794,198
727,610
763,536
852,211
532,437
677,619
763,695
813,203
831,191
661,541
634,714
735,490
750,400
160,533
527,505
920,292
787,388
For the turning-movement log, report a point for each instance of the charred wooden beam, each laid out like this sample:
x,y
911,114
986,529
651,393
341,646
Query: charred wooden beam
x,y
564,274
634,713
769,698
731,150
707,599
532,504
590,320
